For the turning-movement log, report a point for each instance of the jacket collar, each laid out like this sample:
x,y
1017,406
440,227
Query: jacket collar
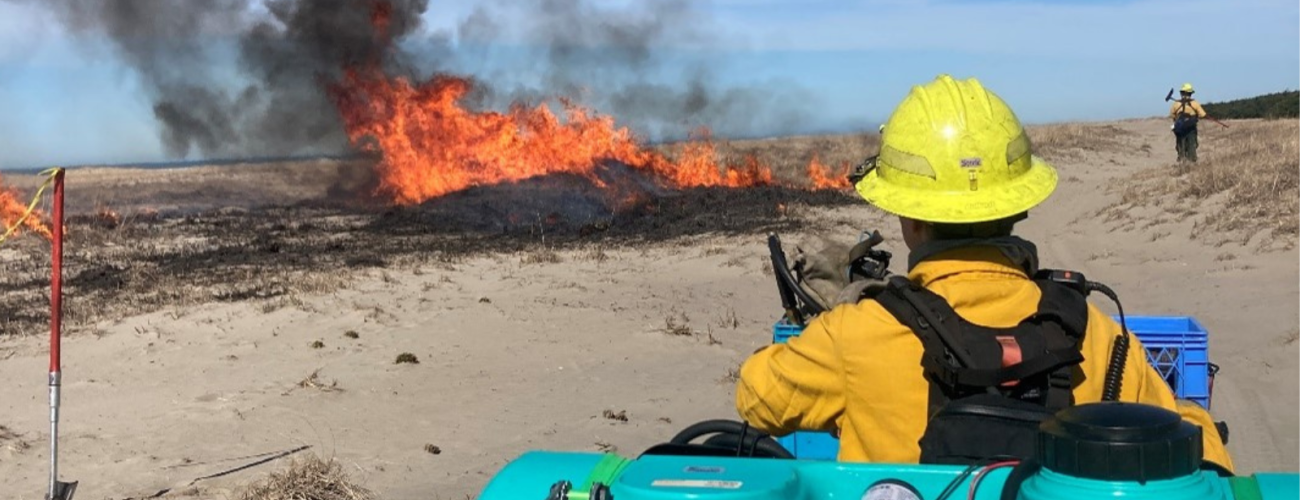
x,y
937,260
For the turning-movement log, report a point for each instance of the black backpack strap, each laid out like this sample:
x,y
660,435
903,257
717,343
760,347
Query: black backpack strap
x,y
1066,309
938,326
935,355
1069,309
962,358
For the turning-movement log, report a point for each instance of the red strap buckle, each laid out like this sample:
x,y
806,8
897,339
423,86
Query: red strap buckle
x,y
1011,355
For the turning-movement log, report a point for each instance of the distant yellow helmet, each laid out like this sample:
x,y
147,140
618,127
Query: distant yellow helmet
x,y
954,153
1187,87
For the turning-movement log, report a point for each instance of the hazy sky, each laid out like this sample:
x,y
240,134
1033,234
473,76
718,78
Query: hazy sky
x,y
66,100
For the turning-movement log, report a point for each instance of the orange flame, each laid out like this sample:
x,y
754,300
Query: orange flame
x,y
11,210
431,145
822,177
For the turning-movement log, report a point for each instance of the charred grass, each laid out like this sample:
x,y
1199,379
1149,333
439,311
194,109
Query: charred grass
x,y
272,255
1245,186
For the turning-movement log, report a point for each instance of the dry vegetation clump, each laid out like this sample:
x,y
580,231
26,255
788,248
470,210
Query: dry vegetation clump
x,y
314,381
1070,141
678,325
306,478
542,255
1246,182
406,358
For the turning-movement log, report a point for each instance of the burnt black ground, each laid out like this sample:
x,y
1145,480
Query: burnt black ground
x,y
115,269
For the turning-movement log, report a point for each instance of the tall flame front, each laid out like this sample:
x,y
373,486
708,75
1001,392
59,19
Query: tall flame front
x,y
430,145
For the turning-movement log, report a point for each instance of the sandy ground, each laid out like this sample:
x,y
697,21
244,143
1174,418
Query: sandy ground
x,y
516,354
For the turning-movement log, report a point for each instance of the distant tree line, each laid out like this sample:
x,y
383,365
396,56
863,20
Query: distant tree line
x,y
1277,105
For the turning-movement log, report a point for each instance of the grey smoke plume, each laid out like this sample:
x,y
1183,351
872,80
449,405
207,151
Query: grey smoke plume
x,y
282,52
164,42
610,58
305,45
234,78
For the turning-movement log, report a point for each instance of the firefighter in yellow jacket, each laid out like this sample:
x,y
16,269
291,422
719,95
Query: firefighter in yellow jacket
x,y
1186,112
956,167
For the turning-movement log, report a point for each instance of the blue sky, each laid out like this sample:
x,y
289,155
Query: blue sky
x,y
66,100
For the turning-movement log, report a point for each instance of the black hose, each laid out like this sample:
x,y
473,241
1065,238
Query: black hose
x,y
757,445
757,442
706,427
1115,370
744,432
1114,382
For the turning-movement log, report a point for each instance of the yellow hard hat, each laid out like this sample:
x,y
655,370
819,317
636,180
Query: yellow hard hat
x,y
1187,87
954,153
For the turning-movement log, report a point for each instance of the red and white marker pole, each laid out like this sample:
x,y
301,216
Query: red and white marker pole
x,y
58,490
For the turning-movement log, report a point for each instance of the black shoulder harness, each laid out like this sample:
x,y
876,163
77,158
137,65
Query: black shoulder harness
x,y
963,359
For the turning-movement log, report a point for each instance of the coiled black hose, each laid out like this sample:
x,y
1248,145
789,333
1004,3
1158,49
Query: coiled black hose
x,y
1114,382
1115,370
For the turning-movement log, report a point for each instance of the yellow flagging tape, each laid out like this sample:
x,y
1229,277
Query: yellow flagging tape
x,y
31,207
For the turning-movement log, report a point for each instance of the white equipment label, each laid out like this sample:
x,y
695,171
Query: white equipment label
x,y
698,483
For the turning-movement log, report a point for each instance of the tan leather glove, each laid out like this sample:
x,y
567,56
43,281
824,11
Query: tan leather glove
x,y
824,273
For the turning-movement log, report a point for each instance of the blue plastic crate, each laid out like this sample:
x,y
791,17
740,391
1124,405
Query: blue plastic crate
x,y
1176,345
783,330
811,445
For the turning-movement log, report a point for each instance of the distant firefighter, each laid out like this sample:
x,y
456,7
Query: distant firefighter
x,y
1185,112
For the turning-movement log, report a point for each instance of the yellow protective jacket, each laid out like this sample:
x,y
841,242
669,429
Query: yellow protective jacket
x,y
1191,108
857,371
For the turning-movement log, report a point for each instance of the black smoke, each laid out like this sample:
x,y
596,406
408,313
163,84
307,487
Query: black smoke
x,y
229,78
234,78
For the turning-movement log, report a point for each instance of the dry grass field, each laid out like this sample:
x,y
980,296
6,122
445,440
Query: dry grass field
x,y
1247,187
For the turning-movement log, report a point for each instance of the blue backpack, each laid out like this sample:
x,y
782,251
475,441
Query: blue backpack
x,y
1185,123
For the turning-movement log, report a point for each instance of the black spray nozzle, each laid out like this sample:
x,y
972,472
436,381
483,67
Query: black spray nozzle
x,y
861,170
866,261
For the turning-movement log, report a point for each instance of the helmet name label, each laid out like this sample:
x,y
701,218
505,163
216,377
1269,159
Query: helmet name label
x,y
971,162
